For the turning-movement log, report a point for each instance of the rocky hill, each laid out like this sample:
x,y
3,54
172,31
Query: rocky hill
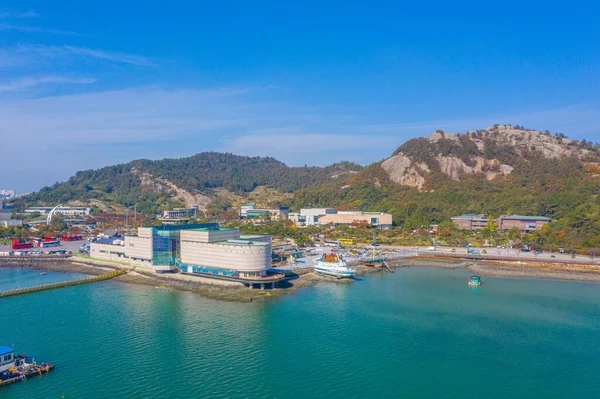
x,y
490,153
502,169
199,180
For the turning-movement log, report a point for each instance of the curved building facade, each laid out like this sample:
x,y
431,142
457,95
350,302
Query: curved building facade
x,y
244,257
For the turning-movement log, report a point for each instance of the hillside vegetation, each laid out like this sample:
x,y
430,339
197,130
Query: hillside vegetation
x,y
184,181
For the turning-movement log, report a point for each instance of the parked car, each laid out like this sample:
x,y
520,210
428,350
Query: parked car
x,y
375,244
60,252
538,251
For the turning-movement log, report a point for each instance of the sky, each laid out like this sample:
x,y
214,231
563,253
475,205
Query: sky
x,y
90,84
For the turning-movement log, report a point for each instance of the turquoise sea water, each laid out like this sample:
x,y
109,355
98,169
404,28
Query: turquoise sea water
x,y
12,278
417,333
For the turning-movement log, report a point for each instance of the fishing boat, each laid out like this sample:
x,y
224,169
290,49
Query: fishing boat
x,y
16,368
475,281
333,265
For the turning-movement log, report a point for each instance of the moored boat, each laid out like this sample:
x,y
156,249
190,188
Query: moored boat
x,y
375,263
333,265
16,368
475,281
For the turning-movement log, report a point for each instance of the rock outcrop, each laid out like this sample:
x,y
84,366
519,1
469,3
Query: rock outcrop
x,y
457,155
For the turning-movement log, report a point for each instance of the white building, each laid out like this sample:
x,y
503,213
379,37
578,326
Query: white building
x,y
310,216
7,194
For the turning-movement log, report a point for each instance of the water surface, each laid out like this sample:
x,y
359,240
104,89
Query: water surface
x,y
22,277
417,333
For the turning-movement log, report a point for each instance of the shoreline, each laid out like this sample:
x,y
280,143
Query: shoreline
x,y
301,278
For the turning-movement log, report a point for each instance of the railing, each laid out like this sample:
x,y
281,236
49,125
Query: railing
x,y
51,286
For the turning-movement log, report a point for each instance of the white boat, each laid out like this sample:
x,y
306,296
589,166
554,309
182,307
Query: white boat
x,y
333,265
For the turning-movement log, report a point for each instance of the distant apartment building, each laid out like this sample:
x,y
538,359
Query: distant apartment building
x,y
310,216
7,194
6,219
61,210
374,219
471,221
249,211
523,223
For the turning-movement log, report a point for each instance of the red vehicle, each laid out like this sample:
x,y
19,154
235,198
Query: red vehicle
x,y
72,237
21,244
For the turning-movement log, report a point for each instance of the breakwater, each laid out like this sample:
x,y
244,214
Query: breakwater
x,y
62,284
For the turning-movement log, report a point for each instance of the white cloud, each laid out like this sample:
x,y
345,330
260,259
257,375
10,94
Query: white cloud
x,y
33,29
18,15
27,56
107,55
30,82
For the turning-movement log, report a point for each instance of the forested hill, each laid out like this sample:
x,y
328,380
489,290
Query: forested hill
x,y
499,170
185,181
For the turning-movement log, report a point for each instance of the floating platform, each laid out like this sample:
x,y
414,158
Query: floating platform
x,y
32,371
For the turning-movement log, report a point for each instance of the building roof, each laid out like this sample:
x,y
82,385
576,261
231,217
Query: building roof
x,y
198,226
245,243
251,236
109,240
470,217
519,217
5,350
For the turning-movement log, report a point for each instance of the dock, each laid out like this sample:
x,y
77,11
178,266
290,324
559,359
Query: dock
x,y
39,371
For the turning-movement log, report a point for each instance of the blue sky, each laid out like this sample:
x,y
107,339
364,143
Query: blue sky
x,y
86,85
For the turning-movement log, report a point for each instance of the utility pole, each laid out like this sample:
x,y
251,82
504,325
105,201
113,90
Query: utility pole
x,y
135,214
127,218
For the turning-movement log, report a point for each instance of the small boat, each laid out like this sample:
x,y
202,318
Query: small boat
x,y
43,273
15,368
375,263
475,281
333,265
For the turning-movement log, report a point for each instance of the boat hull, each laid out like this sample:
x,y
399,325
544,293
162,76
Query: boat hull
x,y
375,263
335,273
